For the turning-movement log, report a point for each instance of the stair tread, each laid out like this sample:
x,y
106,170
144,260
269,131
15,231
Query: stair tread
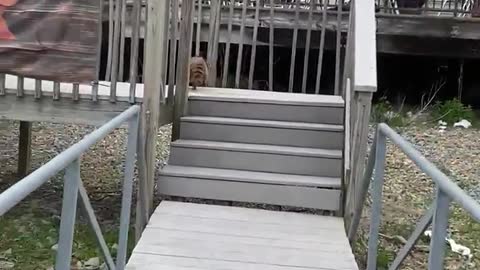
x,y
259,148
250,176
267,97
262,123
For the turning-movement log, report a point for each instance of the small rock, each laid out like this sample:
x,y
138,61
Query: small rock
x,y
463,123
6,265
54,247
92,263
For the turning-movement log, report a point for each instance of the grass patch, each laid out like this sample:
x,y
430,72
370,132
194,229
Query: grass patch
x,y
29,233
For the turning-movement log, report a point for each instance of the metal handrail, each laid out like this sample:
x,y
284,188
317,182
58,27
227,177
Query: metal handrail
x,y
446,191
73,186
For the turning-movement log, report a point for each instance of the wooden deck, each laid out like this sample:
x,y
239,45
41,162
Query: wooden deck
x,y
211,237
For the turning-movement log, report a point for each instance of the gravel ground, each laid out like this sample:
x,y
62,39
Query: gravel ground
x,y
407,191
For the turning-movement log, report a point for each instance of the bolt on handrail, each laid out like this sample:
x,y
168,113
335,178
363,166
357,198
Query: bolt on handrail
x,y
446,192
73,187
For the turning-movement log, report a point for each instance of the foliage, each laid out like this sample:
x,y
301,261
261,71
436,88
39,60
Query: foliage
x,y
452,111
383,112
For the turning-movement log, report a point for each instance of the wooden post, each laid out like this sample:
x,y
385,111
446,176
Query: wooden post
x,y
183,70
154,85
24,148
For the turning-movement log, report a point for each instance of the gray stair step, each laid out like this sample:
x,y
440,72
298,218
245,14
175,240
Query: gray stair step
x,y
256,157
263,105
250,186
262,132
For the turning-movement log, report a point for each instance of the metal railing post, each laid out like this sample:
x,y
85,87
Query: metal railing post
x,y
69,211
127,192
380,152
439,231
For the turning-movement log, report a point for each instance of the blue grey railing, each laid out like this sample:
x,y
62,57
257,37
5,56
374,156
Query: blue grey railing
x,y
446,191
73,186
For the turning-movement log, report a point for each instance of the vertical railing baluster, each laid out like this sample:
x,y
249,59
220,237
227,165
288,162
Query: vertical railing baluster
x,y
320,49
69,211
56,90
38,89
380,152
271,39
2,84
199,28
254,45
338,48
226,60
238,70
20,86
306,56
294,47
439,231
76,92
127,192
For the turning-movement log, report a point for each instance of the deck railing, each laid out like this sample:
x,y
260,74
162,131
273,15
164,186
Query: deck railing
x,y
451,8
69,160
446,192
360,82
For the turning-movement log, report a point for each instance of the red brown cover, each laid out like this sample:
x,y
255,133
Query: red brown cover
x,y
50,39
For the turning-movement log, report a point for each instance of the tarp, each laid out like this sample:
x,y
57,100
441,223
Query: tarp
x,y
50,39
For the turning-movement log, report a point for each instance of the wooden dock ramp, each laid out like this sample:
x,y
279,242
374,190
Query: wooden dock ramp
x,y
183,236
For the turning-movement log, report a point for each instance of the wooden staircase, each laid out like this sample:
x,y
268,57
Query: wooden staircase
x,y
256,147
262,147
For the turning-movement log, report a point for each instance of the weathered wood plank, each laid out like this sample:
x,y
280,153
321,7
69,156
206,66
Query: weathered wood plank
x,y
238,69
271,40
173,51
150,113
183,66
202,236
24,148
254,46
321,49
294,47
227,46
212,50
307,48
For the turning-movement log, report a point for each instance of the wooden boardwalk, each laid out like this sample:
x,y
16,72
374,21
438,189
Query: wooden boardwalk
x,y
190,236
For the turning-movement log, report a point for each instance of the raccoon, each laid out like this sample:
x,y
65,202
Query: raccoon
x,y
198,72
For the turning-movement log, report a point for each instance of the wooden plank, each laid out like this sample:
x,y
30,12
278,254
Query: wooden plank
x,y
428,26
38,88
20,86
75,92
338,47
173,51
238,69
254,46
199,28
111,20
257,216
215,237
2,84
24,149
226,62
150,113
99,56
134,50
122,40
294,47
64,111
271,39
307,47
307,197
212,51
320,241
183,67
321,49
56,90
365,45
116,49
147,261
